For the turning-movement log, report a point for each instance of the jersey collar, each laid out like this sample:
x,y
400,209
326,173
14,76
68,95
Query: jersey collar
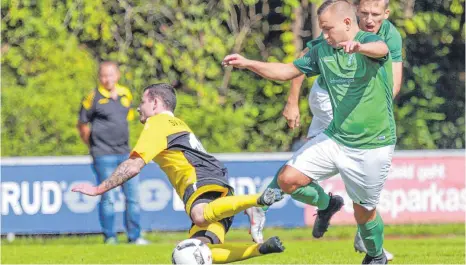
x,y
384,22
104,92
168,113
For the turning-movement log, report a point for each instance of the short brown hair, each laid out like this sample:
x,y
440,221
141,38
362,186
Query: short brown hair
x,y
328,4
165,92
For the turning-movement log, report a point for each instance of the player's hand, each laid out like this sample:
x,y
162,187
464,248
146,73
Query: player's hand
x,y
350,46
235,60
87,189
291,114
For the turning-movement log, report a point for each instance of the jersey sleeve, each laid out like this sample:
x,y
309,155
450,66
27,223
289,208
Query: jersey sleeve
x,y
395,45
153,139
87,108
316,41
308,64
374,38
371,38
131,112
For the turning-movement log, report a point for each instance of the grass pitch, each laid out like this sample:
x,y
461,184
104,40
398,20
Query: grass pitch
x,y
419,244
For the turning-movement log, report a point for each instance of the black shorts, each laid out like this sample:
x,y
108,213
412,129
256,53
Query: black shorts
x,y
192,193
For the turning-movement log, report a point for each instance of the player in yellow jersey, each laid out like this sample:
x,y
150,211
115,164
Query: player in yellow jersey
x,y
198,178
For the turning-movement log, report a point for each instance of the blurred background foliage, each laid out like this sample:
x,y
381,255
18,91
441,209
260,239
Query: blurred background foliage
x,y
51,49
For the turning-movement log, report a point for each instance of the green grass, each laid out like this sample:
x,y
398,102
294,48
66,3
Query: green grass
x,y
420,244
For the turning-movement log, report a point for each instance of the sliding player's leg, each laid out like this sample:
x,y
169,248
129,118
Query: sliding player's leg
x,y
214,235
210,200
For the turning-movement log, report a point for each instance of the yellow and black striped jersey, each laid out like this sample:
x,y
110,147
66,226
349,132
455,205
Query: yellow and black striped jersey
x,y
170,143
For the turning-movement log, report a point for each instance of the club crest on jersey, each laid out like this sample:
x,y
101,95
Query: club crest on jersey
x,y
103,101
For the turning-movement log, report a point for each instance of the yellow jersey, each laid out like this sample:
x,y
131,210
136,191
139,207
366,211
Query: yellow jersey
x,y
170,143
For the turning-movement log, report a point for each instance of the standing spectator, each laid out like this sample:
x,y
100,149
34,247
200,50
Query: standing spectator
x,y
107,110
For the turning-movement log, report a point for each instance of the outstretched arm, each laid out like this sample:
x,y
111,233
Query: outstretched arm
x,y
126,170
272,71
377,49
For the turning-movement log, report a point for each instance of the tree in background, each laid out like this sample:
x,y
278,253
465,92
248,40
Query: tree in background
x,y
51,48
430,108
44,74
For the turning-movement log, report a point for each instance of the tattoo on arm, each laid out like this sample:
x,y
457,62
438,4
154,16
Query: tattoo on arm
x,y
124,172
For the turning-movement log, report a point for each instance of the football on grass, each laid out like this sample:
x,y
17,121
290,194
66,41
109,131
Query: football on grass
x,y
192,252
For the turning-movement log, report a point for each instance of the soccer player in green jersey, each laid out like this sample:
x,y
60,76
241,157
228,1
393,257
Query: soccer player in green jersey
x,y
356,69
372,16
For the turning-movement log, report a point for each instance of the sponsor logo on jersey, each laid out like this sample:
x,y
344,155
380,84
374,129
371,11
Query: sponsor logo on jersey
x,y
341,81
328,59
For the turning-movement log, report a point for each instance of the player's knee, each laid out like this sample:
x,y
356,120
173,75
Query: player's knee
x,y
362,214
199,220
197,216
287,182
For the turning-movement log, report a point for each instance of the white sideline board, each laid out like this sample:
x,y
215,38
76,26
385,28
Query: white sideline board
x,y
224,157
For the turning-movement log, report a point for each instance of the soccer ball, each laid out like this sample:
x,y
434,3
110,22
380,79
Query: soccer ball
x,y
192,251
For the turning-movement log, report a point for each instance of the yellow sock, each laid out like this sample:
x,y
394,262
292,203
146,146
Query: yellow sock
x,y
226,253
228,206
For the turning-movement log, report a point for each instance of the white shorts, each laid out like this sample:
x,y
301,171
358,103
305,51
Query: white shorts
x,y
363,171
321,108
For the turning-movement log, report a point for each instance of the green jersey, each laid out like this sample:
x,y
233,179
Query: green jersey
x,y
360,90
387,32
392,38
